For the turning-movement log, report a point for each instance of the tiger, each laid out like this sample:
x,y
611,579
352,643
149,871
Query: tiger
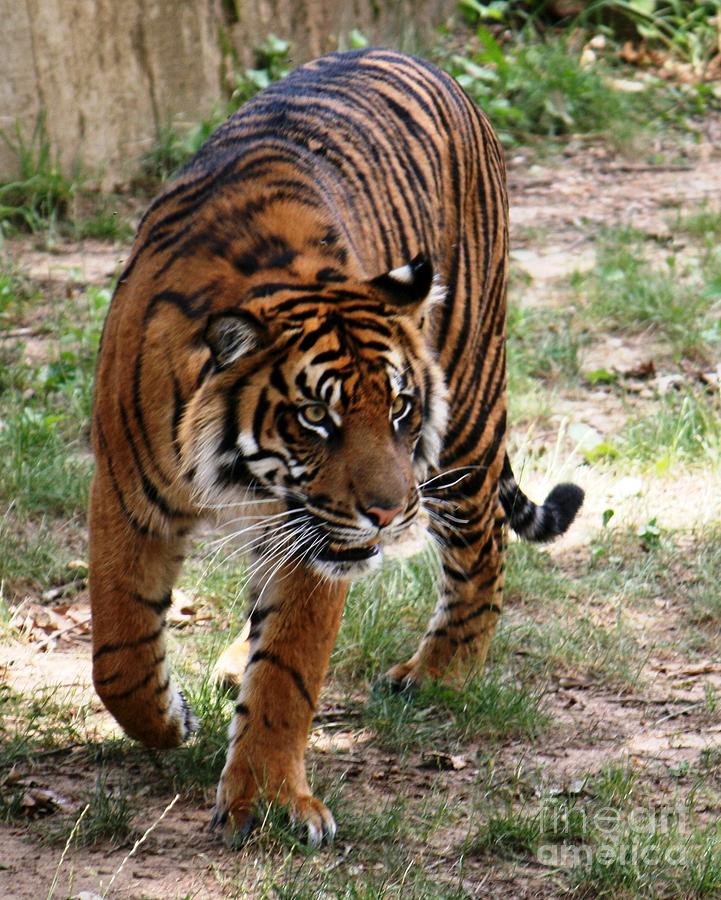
x,y
308,336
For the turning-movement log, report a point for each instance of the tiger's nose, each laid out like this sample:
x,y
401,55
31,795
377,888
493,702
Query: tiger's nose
x,y
381,516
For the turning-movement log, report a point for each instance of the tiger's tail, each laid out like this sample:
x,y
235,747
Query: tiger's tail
x,y
531,521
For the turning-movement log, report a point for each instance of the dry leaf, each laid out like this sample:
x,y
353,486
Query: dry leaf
x,y
641,371
38,801
435,759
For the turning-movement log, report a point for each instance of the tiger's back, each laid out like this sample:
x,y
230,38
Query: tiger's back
x,y
312,316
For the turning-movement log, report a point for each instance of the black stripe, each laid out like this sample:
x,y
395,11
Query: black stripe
x,y
483,608
149,489
130,517
133,689
158,606
267,656
192,306
127,645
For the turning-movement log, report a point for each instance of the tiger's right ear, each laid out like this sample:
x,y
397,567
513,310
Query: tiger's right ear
x,y
232,335
407,285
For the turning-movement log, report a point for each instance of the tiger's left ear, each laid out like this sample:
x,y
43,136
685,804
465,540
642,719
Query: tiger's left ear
x,y
232,335
409,284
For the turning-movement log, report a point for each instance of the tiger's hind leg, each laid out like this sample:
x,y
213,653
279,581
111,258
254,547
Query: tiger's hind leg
x,y
471,598
230,666
132,570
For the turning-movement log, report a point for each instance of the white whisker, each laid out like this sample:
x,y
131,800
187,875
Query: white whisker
x,y
444,487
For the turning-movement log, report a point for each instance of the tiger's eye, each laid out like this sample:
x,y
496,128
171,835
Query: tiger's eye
x,y
399,406
314,413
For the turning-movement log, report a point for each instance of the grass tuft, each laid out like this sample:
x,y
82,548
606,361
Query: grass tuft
x,y
676,302
491,706
108,820
41,194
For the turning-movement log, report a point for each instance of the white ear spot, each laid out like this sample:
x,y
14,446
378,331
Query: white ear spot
x,y
437,293
403,274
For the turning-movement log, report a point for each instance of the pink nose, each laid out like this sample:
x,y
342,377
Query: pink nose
x,y
382,516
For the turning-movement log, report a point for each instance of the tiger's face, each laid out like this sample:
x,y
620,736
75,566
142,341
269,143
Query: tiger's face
x,y
334,407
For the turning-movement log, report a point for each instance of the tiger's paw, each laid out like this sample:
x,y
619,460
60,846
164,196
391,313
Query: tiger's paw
x,y
309,813
161,725
236,815
400,678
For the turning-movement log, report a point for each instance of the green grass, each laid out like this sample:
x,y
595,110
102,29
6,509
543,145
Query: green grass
x,y
103,223
605,834
439,717
676,300
33,555
657,864
383,619
568,637
616,785
673,431
542,344
512,832
16,292
33,725
197,766
39,468
700,580
41,194
45,405
703,224
108,820
684,427
396,876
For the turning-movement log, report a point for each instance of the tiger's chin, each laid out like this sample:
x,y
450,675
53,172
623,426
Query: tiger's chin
x,y
344,562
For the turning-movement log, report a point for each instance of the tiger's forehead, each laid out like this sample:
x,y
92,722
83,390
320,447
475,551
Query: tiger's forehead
x,y
337,368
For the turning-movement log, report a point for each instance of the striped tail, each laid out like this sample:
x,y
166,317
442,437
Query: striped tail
x,y
533,522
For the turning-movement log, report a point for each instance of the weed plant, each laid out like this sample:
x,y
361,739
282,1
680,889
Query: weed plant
x,y
684,30
41,194
628,293
107,820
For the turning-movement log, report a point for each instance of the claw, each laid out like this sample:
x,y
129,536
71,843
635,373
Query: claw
x,y
233,837
315,835
318,822
329,830
220,817
386,684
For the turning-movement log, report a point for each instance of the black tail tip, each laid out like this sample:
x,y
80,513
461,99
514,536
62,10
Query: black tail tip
x,y
565,500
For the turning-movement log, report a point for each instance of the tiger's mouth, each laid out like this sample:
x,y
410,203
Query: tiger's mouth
x,y
335,554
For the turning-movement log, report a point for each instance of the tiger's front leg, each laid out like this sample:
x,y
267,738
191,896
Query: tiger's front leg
x,y
293,627
471,598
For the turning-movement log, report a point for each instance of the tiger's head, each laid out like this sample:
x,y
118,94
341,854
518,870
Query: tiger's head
x,y
326,398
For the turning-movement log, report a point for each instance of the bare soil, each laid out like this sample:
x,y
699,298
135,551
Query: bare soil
x,y
662,724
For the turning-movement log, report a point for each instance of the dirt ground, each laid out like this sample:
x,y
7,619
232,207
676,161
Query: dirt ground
x,y
554,206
